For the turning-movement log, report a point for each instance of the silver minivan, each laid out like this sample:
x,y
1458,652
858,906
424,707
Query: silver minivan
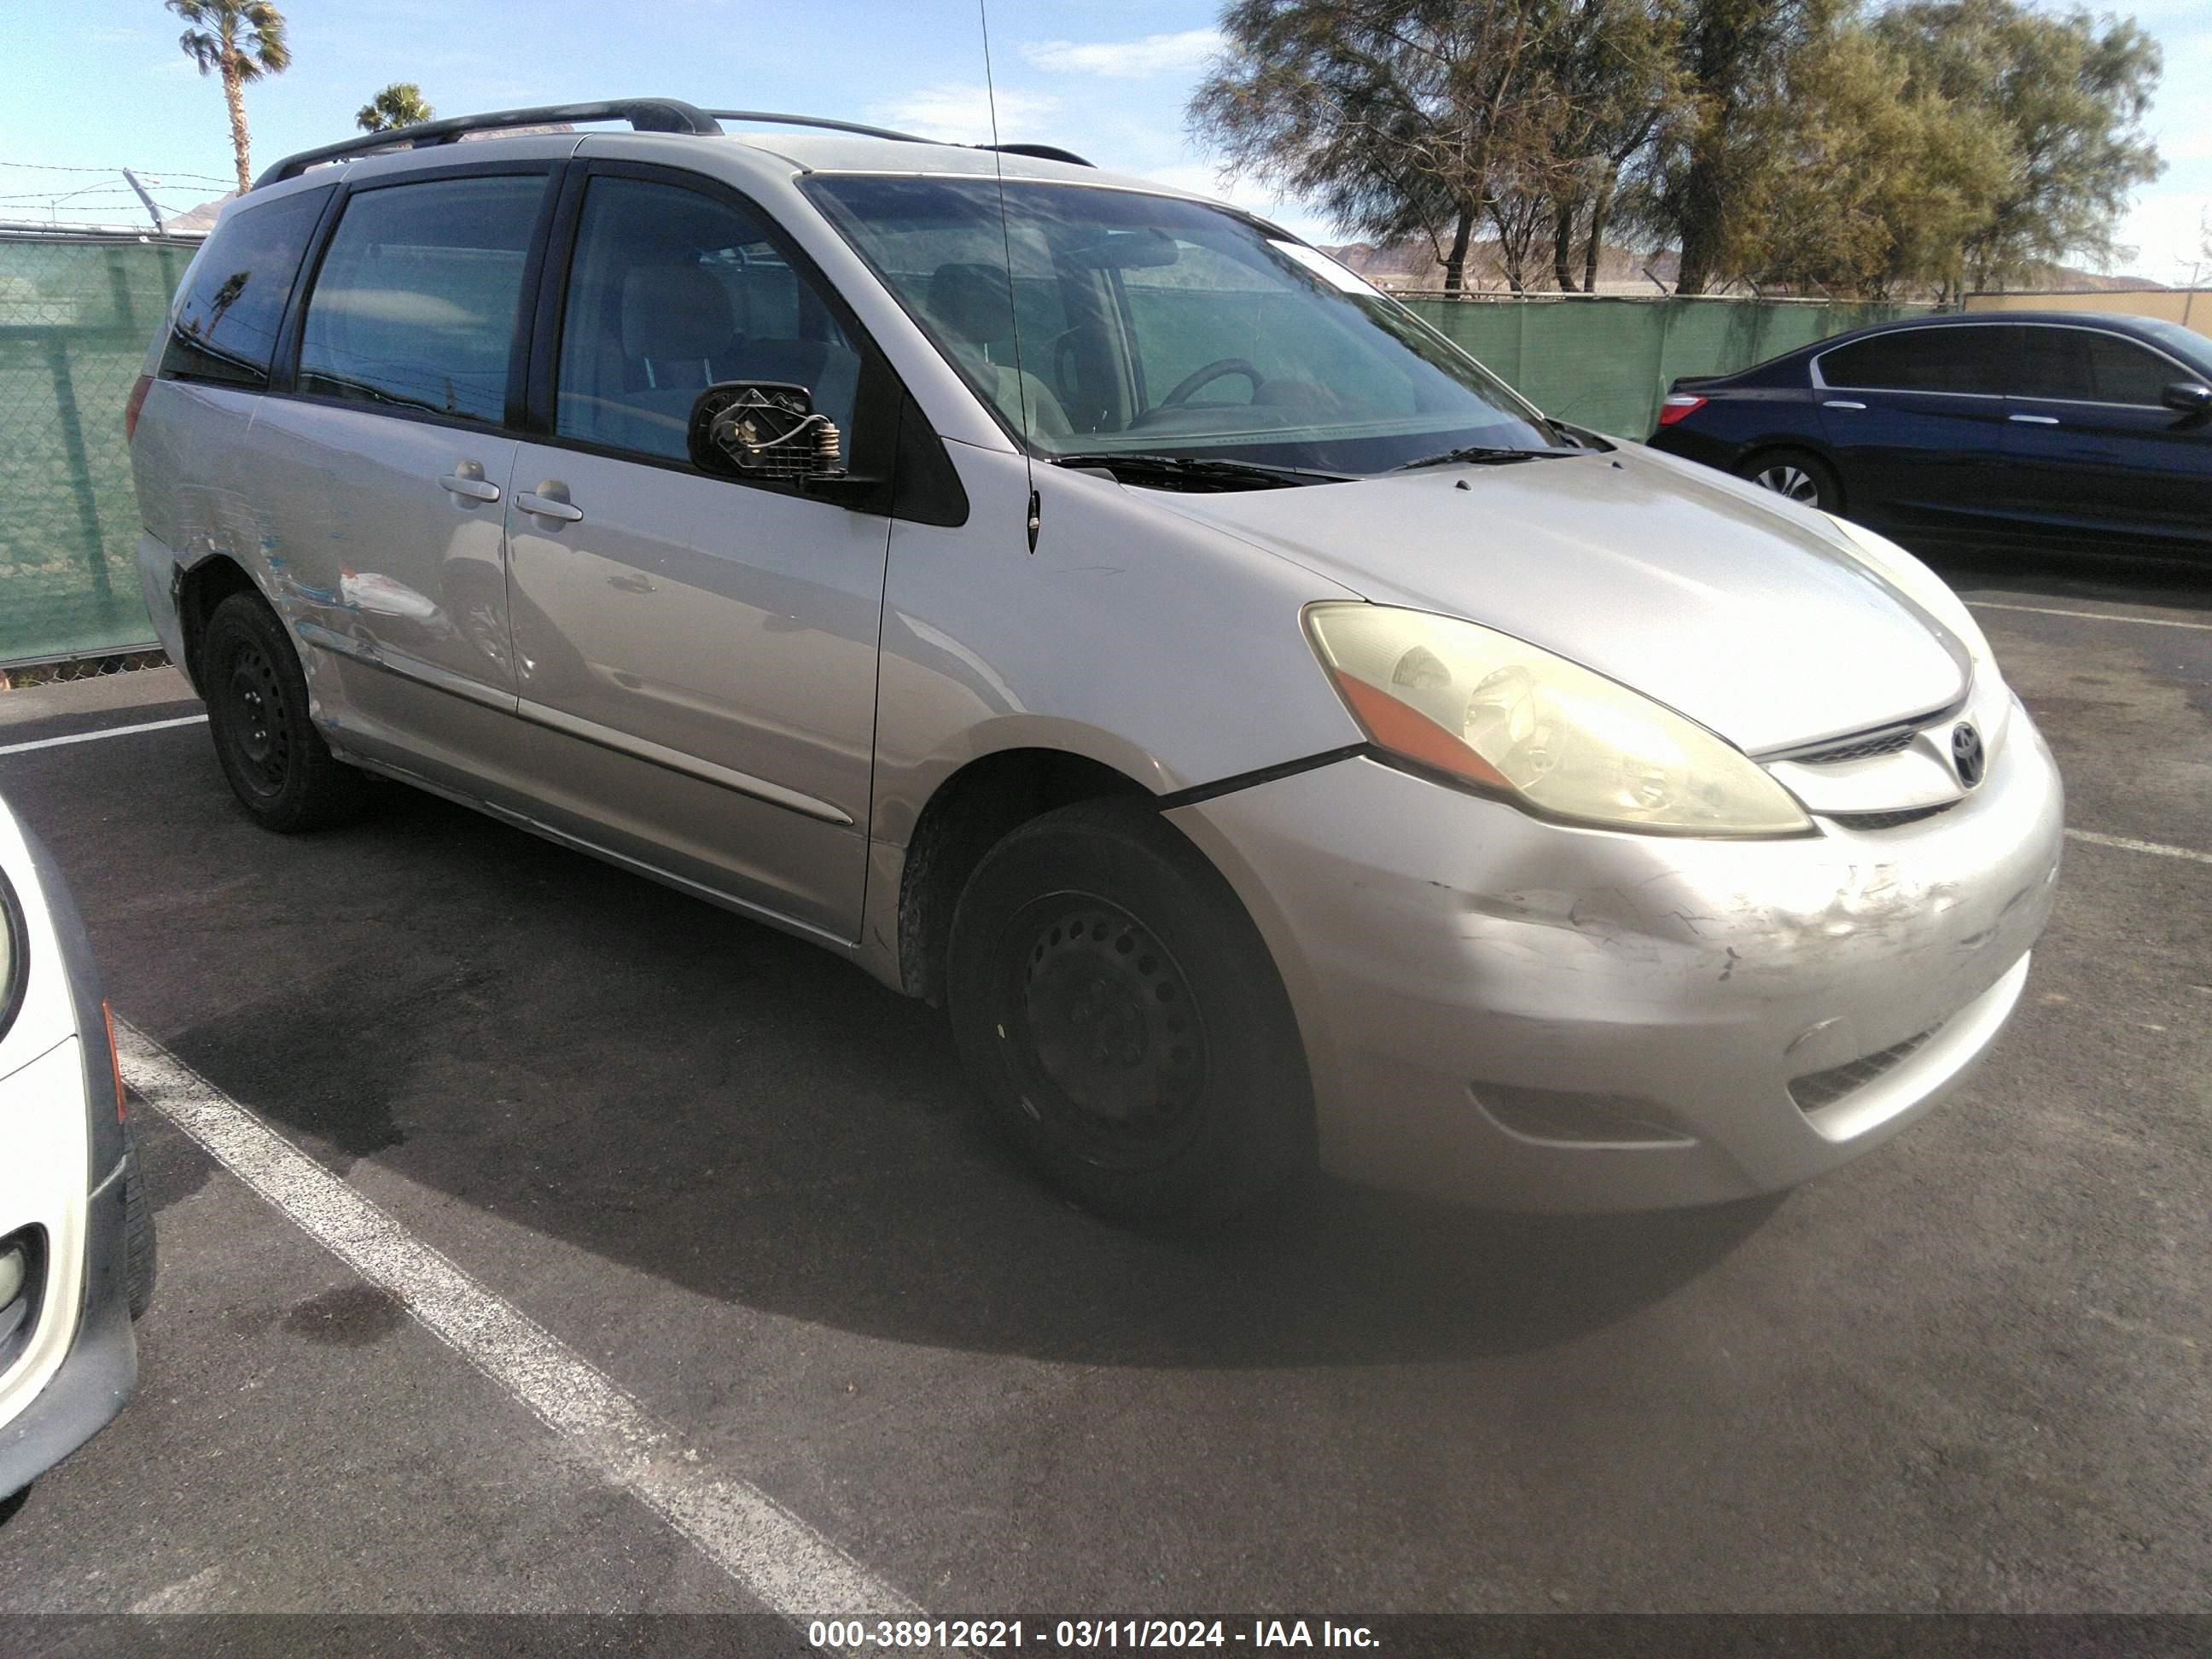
x,y
1086,607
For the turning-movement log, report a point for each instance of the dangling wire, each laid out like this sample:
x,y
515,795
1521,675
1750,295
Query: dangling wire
x,y
1013,309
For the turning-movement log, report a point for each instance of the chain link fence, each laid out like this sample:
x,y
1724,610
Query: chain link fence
x,y
76,315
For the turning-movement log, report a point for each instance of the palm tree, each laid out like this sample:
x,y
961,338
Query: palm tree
x,y
400,105
240,40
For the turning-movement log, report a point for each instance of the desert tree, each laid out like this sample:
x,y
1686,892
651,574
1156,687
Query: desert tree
x,y
1398,119
1874,185
1708,157
2066,93
1618,68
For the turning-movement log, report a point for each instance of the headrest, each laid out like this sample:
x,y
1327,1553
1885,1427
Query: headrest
x,y
973,300
674,313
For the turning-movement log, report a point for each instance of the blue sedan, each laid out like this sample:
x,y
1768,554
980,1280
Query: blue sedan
x,y
2013,430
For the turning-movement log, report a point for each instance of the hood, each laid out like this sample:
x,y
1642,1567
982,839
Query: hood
x,y
1739,610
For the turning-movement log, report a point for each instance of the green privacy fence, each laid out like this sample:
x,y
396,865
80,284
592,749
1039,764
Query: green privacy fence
x,y
1605,363
76,313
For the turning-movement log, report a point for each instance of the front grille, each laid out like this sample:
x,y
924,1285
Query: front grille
x,y
1887,820
1860,748
1818,1089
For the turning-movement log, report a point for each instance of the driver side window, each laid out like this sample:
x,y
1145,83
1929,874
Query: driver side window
x,y
671,291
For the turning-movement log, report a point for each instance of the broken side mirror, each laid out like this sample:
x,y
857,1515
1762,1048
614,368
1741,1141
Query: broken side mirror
x,y
763,429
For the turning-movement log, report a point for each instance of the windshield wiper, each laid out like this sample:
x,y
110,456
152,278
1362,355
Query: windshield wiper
x,y
1479,455
1197,471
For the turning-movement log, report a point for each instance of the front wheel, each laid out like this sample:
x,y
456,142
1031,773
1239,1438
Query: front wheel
x,y
1122,1021
1803,477
277,764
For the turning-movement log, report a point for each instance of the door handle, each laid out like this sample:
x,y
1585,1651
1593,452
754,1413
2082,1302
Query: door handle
x,y
2035,420
547,506
467,481
1842,403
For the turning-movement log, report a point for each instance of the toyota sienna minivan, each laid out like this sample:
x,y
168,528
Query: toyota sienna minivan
x,y
1086,607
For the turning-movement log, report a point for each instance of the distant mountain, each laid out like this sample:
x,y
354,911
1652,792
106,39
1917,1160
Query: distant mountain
x,y
197,221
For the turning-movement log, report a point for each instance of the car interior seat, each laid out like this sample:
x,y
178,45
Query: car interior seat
x,y
971,303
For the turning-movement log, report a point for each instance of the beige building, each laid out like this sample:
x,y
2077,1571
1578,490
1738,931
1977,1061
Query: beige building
x,y
2190,307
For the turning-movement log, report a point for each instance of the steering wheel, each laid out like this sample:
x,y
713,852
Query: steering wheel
x,y
1198,379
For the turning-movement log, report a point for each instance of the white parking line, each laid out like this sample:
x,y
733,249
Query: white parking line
x,y
2093,616
94,737
2129,843
773,1554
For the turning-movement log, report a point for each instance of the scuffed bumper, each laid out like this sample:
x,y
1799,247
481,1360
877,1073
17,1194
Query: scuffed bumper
x,y
158,570
1540,1017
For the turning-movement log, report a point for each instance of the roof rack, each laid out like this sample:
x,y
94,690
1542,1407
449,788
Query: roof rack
x,y
771,119
1042,152
644,115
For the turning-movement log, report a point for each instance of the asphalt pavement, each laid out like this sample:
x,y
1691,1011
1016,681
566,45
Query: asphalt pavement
x,y
729,1177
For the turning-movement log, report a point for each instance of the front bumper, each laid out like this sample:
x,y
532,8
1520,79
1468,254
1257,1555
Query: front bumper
x,y
99,1371
65,1168
1541,1017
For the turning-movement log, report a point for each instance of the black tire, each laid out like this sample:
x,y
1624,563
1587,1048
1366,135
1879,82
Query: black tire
x,y
278,765
142,1259
1122,1021
1797,475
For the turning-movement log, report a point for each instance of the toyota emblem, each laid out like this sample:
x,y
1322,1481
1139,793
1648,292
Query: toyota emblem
x,y
1966,753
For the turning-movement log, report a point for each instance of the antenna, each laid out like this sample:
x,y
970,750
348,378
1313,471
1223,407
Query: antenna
x,y
1013,309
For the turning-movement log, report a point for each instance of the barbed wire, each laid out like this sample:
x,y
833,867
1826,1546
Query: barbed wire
x,y
110,200
144,173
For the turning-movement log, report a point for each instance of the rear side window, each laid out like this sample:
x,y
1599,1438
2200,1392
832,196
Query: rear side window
x,y
1961,360
227,317
414,305
2081,365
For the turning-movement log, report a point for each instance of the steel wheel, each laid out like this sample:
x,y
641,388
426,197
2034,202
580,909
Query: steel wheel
x,y
1109,1041
276,763
255,732
1122,1021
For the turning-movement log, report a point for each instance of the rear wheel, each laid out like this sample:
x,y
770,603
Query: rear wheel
x,y
1800,475
277,764
1122,1021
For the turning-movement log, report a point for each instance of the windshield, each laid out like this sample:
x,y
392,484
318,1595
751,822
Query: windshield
x,y
1145,324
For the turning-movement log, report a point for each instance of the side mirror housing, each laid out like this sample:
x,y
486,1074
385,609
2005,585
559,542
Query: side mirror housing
x,y
2190,397
763,429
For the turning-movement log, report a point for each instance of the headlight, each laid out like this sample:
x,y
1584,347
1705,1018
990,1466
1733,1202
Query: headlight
x,y
1495,712
1920,585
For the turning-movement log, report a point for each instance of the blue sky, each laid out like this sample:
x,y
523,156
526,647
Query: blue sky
x,y
100,84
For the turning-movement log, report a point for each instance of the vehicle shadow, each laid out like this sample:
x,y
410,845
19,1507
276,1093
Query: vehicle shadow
x,y
704,1099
